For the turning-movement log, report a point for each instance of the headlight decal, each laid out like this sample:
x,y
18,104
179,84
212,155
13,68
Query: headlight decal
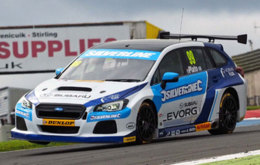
x,y
100,116
22,112
116,96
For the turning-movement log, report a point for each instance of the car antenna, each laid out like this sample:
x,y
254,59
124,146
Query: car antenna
x,y
181,22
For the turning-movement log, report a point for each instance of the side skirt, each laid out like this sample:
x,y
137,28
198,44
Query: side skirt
x,y
173,131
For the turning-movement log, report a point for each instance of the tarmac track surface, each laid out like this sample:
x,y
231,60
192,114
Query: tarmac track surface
x,y
167,151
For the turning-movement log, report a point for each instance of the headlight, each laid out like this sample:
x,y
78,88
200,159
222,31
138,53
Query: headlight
x,y
28,100
26,104
112,106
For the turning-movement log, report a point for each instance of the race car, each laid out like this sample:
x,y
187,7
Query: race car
x,y
137,91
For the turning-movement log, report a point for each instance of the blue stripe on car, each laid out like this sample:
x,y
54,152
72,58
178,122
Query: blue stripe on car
x,y
115,96
101,116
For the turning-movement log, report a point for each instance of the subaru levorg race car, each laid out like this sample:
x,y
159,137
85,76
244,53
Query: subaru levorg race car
x,y
136,91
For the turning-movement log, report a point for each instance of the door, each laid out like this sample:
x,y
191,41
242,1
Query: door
x,y
180,103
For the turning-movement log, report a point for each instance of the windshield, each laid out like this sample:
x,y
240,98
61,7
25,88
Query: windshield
x,y
108,69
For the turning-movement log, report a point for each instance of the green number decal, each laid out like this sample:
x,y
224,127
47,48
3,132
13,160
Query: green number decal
x,y
191,57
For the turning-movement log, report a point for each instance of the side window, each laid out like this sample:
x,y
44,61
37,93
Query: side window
x,y
218,58
209,61
194,60
170,63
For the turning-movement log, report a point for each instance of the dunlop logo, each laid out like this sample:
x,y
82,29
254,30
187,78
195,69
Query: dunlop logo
x,y
56,122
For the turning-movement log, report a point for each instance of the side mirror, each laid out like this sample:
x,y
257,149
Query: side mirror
x,y
58,71
169,77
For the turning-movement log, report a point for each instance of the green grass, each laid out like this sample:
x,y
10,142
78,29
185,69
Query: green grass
x,y
21,144
253,107
250,160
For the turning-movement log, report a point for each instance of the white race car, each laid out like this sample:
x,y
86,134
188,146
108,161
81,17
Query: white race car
x,y
136,91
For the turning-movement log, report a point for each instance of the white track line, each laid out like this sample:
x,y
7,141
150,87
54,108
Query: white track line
x,y
220,158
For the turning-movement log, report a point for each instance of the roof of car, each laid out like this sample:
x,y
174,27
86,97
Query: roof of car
x,y
138,44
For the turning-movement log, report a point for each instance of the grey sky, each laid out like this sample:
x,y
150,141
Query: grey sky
x,y
225,17
24,12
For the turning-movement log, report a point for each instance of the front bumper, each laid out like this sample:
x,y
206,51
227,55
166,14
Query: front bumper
x,y
95,127
53,138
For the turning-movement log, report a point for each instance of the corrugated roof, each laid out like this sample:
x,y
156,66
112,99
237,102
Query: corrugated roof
x,y
249,61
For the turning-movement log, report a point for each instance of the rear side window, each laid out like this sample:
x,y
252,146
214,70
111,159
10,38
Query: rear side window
x,y
218,58
194,60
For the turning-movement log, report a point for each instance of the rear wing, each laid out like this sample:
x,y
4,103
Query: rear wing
x,y
167,35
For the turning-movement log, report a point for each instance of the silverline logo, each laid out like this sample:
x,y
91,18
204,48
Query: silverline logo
x,y
180,91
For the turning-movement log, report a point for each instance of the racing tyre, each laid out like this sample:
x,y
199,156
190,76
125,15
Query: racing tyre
x,y
145,124
40,142
227,115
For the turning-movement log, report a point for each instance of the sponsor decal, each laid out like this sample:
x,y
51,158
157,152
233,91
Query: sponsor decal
x,y
181,113
177,132
169,134
203,126
227,72
79,96
180,91
188,104
124,53
129,139
25,114
187,130
193,69
173,131
99,116
130,125
104,117
161,133
57,122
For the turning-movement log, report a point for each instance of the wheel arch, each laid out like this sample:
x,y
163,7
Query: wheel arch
x,y
154,109
234,93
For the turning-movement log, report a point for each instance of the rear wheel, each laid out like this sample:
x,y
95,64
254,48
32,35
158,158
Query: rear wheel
x,y
227,115
145,123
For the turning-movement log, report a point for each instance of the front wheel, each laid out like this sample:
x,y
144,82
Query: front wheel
x,y
227,115
145,123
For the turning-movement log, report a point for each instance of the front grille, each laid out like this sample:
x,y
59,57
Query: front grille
x,y
59,129
66,111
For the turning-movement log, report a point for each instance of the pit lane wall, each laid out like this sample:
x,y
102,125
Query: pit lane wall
x,y
37,50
